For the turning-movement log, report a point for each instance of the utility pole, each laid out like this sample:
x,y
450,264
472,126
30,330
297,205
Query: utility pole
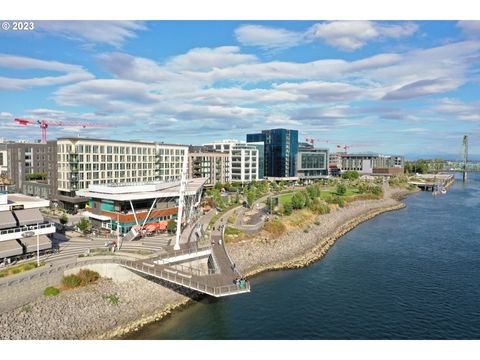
x,y
183,185
465,157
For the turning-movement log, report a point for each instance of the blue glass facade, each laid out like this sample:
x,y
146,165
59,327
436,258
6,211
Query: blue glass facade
x,y
281,148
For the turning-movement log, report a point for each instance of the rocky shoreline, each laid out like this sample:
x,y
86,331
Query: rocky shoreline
x,y
85,314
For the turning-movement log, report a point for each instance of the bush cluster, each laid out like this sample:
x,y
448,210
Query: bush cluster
x,y
51,291
275,227
82,278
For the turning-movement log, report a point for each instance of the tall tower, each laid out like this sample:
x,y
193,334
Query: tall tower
x,y
465,157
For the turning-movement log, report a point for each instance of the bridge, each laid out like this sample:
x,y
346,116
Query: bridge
x,y
217,280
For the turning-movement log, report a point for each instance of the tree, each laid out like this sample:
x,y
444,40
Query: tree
x,y
237,197
377,190
172,226
84,225
251,195
298,200
271,203
287,208
341,189
350,175
313,191
63,219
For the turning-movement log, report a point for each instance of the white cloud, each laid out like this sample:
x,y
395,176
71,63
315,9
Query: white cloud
x,y
470,27
72,73
267,37
352,35
199,59
324,91
106,32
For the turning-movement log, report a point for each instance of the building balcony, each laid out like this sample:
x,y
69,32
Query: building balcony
x,y
19,232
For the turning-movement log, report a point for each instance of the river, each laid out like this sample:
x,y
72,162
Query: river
x,y
408,274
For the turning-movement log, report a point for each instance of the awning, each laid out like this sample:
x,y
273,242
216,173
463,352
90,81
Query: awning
x,y
162,224
88,214
29,216
10,248
7,220
31,243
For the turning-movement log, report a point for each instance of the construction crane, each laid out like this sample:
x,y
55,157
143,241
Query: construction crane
x,y
313,141
346,147
44,124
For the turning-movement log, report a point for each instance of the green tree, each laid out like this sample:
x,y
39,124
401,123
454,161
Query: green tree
x,y
350,175
172,226
251,195
377,190
298,200
84,225
313,191
237,198
63,219
341,189
287,208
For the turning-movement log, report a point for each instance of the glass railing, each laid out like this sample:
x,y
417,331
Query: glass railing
x,y
21,229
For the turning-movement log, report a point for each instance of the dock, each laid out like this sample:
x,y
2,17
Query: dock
x,y
433,181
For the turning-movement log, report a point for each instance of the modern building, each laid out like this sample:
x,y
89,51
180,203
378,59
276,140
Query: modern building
x,y
335,163
243,159
211,165
312,163
261,158
3,160
281,148
83,162
32,167
127,205
367,163
22,226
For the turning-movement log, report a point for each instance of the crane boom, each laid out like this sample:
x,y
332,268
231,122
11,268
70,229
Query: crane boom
x,y
44,124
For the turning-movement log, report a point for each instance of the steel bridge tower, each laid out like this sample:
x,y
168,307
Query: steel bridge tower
x,y
465,156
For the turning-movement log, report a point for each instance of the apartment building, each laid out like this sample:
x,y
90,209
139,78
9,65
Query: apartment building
x,y
32,167
243,159
83,162
366,163
3,159
213,166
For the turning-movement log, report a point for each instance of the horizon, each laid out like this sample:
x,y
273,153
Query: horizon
x,y
392,87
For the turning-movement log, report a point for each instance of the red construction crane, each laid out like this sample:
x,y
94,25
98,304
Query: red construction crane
x,y
313,141
44,124
345,147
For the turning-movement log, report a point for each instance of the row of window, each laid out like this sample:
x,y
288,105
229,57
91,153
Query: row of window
x,y
110,149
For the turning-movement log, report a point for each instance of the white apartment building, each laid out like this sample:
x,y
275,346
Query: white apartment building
x,y
3,159
82,162
243,159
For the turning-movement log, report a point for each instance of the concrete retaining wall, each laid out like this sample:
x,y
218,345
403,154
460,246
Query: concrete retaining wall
x,y
113,271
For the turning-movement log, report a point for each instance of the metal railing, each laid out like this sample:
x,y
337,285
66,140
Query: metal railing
x,y
27,228
181,252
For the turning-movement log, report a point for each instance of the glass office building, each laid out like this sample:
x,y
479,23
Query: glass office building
x,y
281,148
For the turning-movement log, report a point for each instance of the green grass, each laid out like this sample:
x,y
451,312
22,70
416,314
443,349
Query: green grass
x,y
19,268
112,299
282,199
51,291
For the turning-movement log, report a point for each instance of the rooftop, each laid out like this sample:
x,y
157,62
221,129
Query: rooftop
x,y
7,201
136,191
142,142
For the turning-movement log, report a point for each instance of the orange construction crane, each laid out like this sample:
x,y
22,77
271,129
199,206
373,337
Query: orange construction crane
x,y
44,124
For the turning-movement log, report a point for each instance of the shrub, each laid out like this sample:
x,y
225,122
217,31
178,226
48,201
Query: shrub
x,y
377,190
319,206
335,199
287,208
51,291
112,299
84,225
317,222
350,175
275,227
87,276
298,200
63,219
171,226
71,281
341,189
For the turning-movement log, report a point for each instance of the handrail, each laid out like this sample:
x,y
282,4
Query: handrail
x,y
27,228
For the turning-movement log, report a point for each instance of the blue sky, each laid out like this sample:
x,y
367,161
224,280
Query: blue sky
x,y
408,87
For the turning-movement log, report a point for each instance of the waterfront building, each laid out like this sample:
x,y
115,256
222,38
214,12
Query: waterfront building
x,y
211,165
261,158
281,148
22,225
312,163
139,204
243,159
32,167
83,162
370,163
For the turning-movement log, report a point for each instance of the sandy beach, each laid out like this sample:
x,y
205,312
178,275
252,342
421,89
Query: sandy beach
x,y
86,313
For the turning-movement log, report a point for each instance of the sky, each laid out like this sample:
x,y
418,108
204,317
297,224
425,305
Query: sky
x,y
395,87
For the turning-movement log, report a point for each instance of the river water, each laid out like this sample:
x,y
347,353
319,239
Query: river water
x,y
408,274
